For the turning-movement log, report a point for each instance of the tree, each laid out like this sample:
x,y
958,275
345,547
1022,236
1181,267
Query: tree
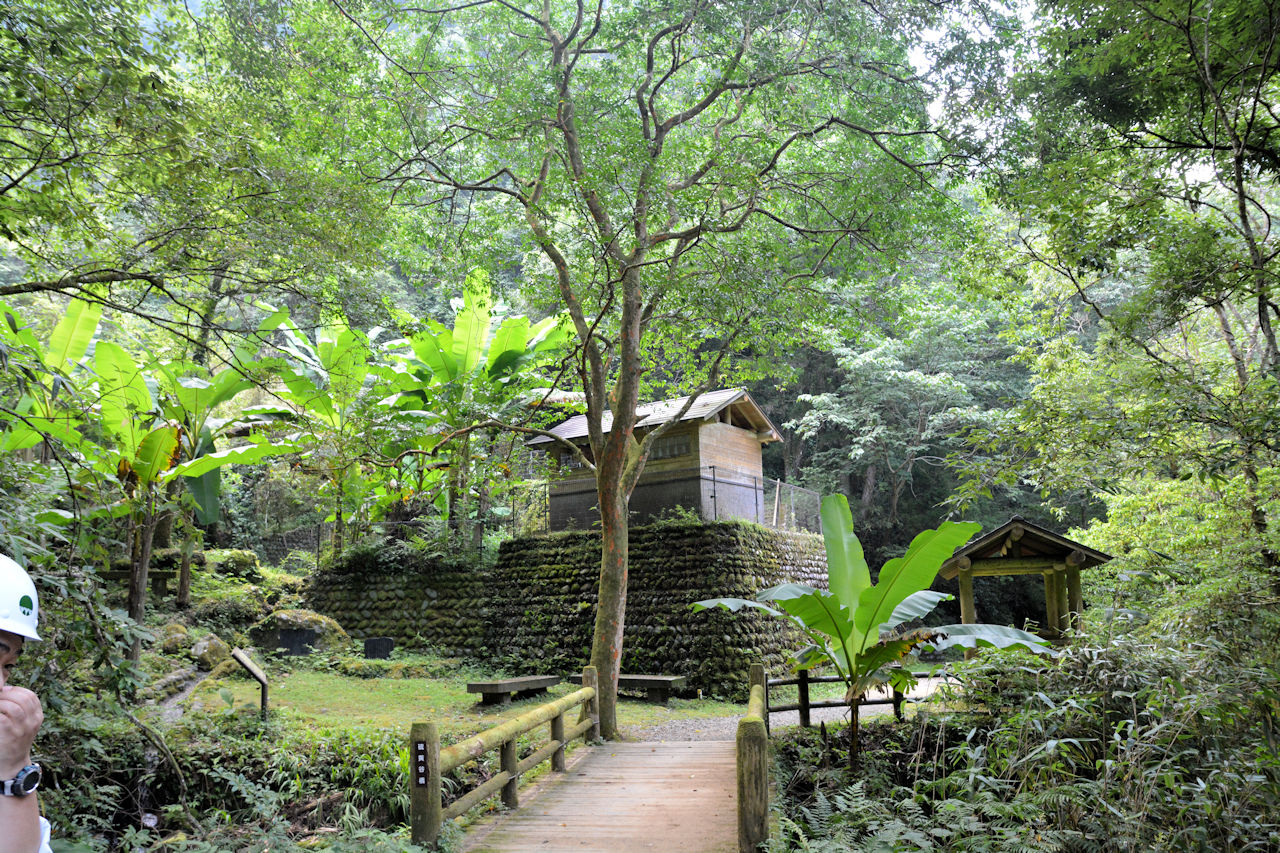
x,y
1142,151
138,172
915,377
679,172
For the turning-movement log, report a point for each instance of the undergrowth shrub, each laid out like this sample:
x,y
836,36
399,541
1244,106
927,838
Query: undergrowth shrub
x,y
1122,746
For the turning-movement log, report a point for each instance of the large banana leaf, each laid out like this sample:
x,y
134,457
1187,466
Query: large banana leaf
x,y
345,357
915,606
817,609
847,572
550,333
733,605
124,398
509,347
912,572
471,327
1000,636
71,337
195,396
232,456
206,491
157,452
19,436
434,348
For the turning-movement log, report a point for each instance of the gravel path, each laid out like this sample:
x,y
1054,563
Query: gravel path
x,y
726,728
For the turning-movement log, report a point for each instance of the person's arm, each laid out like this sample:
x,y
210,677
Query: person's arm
x,y
20,719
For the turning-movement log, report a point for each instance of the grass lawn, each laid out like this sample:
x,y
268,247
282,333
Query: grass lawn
x,y
331,700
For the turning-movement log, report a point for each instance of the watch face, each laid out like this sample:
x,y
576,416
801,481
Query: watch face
x,y
27,780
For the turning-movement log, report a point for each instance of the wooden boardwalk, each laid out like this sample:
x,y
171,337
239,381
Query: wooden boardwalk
x,y
672,797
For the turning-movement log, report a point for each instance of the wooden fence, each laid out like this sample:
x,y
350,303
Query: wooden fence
x,y
428,762
804,703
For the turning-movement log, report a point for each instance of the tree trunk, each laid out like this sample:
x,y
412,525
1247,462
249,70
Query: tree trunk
x,y
483,498
139,570
855,738
606,646
339,523
868,493
200,351
184,572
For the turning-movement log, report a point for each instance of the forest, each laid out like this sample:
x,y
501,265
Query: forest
x,y
301,277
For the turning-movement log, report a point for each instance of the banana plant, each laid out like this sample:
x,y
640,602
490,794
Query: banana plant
x,y
471,373
857,626
338,392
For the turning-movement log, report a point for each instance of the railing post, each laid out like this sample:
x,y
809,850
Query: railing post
x,y
803,689
592,680
509,764
557,734
425,810
756,675
753,768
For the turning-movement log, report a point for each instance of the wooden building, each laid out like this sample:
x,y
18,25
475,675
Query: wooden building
x,y
1019,547
709,462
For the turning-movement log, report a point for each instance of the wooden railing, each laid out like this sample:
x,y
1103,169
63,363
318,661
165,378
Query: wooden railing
x,y
428,763
804,703
753,767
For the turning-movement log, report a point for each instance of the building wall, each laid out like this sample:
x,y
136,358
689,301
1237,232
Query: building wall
x,y
730,448
734,489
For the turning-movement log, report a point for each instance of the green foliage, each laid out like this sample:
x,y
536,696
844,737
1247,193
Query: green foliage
x,y
853,819
1139,177
1124,746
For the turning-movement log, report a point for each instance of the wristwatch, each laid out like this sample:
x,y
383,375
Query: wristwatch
x,y
26,782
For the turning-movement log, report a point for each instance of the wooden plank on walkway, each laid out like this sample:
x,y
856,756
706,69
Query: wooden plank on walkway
x,y
626,797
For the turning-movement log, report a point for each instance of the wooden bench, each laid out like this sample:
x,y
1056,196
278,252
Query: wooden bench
x,y
657,688
498,691
159,579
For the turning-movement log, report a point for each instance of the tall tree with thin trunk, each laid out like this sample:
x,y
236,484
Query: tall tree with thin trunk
x,y
685,179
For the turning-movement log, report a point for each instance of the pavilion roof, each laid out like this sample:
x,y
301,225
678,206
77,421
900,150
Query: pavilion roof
x,y
1017,547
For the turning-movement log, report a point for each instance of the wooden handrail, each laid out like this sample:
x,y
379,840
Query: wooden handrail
x,y
428,762
753,767
241,657
803,680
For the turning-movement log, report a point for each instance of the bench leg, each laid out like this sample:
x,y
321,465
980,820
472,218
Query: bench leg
x,y
495,698
159,586
657,694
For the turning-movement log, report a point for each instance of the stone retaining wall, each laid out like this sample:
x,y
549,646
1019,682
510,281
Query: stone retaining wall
x,y
533,611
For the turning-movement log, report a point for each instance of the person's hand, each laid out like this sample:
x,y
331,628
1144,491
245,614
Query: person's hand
x,y
20,719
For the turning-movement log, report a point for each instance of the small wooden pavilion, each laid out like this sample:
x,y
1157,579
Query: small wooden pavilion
x,y
1019,547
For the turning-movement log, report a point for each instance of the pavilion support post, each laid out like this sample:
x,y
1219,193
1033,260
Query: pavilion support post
x,y
1052,611
1075,600
1064,605
968,614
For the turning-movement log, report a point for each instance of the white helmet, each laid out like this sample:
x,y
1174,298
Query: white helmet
x,y
19,604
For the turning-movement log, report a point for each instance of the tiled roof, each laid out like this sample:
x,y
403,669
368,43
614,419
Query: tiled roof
x,y
706,406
